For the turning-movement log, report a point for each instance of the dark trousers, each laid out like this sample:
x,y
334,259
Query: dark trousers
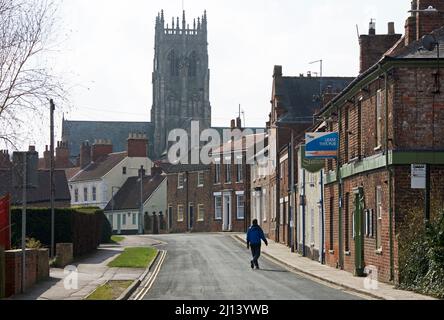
x,y
256,252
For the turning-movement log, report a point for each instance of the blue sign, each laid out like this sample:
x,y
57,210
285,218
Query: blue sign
x,y
321,145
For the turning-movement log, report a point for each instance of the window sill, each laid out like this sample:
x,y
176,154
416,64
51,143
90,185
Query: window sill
x,y
331,251
378,252
347,253
355,159
378,148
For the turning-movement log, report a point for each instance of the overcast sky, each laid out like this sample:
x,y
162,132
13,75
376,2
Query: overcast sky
x,y
107,50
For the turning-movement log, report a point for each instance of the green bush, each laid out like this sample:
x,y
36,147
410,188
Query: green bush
x,y
107,231
80,226
422,257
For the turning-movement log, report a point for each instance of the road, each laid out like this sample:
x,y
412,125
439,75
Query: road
x,y
217,267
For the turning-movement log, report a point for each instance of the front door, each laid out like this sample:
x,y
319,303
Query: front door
x,y
170,218
191,218
359,205
227,213
119,223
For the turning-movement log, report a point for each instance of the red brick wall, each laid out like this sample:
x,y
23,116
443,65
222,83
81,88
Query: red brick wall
x,y
373,47
137,148
100,150
196,195
13,262
419,111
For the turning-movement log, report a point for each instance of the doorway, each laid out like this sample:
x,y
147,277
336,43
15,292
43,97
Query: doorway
x,y
191,217
227,213
119,224
359,204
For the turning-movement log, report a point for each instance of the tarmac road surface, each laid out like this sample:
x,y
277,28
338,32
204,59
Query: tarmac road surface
x,y
217,267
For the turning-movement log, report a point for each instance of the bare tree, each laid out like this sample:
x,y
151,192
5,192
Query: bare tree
x,y
26,82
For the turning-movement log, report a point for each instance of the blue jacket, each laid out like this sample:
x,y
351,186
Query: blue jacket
x,y
255,235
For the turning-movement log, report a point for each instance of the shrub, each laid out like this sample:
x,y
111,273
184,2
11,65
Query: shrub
x,y
32,243
421,256
81,226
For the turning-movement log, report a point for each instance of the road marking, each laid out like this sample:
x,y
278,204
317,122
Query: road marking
x,y
149,283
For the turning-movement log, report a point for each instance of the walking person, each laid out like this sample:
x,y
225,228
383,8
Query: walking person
x,y
255,236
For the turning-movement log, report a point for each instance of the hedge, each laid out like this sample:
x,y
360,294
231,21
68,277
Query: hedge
x,y
83,227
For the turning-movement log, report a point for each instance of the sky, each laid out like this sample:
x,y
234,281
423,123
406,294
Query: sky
x,y
106,49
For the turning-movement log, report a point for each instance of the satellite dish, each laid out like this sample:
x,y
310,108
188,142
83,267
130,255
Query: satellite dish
x,y
429,42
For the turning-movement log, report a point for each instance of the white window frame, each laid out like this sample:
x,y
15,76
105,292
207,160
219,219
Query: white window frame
x,y
240,208
217,174
218,209
76,195
180,213
85,194
180,180
200,212
94,193
379,218
134,219
200,179
228,173
240,173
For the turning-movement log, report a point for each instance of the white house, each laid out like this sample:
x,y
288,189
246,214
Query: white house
x,y
123,211
103,172
310,215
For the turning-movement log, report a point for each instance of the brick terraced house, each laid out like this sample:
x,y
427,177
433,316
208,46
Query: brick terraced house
x,y
190,206
390,118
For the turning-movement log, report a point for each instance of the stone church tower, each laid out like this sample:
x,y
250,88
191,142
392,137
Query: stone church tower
x,y
181,78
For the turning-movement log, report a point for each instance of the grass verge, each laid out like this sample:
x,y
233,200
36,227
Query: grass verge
x,y
110,290
134,258
117,239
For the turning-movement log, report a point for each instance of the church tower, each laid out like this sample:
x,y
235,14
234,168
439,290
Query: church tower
x,y
181,78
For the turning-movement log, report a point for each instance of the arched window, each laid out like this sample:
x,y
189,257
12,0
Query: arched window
x,y
174,63
192,65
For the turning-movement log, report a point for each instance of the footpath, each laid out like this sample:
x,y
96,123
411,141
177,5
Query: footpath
x,y
92,272
282,255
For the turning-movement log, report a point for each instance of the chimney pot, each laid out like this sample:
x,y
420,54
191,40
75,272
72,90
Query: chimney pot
x,y
391,28
372,28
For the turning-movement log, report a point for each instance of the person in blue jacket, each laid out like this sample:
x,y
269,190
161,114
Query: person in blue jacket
x,y
255,236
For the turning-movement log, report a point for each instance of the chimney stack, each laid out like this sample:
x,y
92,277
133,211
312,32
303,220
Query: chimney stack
x,y
46,158
85,155
238,123
233,124
391,28
137,146
62,156
101,148
373,46
5,159
156,170
426,16
277,72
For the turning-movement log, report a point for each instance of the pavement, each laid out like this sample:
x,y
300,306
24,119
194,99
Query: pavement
x,y
217,267
313,269
92,273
